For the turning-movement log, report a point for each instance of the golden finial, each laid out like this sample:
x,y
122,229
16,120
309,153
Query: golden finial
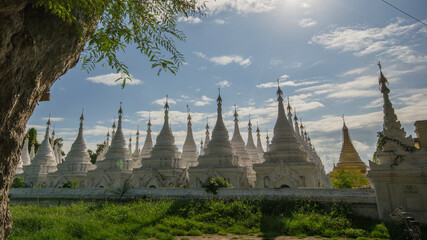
x,y
235,113
114,123
295,115
382,81
250,124
82,117
48,121
166,104
188,112
137,130
289,106
219,99
279,91
149,120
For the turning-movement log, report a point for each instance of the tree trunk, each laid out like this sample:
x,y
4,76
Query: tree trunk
x,y
36,48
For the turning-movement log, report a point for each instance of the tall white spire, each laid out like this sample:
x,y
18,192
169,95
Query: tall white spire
x,y
239,144
250,146
148,144
289,108
78,152
164,153
32,151
189,150
114,129
202,149
136,154
207,137
258,141
25,156
130,144
118,156
284,145
219,146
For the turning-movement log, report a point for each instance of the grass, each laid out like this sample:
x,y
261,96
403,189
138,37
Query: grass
x,y
166,219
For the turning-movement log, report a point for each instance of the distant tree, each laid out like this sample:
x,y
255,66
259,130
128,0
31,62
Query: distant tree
x,y
92,156
214,184
348,179
99,148
32,133
48,37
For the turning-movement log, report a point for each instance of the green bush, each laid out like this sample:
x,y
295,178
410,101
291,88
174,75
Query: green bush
x,y
214,184
72,184
19,183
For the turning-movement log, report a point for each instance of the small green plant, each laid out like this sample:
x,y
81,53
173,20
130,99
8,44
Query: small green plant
x,y
214,184
72,184
19,183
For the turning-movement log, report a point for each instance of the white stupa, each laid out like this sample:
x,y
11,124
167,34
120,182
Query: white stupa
x,y
189,151
202,149
136,156
163,168
116,169
32,151
104,151
286,163
76,164
239,146
25,156
43,163
259,145
148,144
250,145
207,137
220,158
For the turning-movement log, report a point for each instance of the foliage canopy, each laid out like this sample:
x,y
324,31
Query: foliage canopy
x,y
348,179
148,24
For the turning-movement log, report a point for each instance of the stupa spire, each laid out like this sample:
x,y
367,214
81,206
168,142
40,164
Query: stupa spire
x,y
238,143
284,145
118,156
78,152
25,156
250,146
391,127
136,154
164,153
267,148
207,136
189,150
220,143
348,152
202,149
148,144
45,154
130,144
114,128
258,141
32,151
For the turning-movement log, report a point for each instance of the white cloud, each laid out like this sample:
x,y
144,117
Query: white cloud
x,y
225,60
219,21
390,41
307,22
291,83
200,54
355,71
276,61
224,83
204,101
54,119
241,6
110,79
190,19
162,101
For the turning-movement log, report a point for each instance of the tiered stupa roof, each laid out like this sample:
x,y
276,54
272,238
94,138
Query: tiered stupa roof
x,y
239,144
189,150
284,145
118,156
165,153
136,154
148,144
25,156
250,146
349,158
219,152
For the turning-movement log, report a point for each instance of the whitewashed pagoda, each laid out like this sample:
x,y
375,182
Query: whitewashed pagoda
x,y
148,144
250,146
136,155
43,163
76,164
220,158
189,150
259,145
286,163
115,170
24,158
399,173
163,168
240,148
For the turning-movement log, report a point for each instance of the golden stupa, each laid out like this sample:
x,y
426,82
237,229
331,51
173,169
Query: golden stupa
x,y
349,158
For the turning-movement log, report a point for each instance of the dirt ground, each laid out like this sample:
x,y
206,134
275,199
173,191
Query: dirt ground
x,y
242,237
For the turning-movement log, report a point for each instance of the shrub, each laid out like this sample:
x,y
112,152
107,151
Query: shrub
x,y
214,184
72,184
19,183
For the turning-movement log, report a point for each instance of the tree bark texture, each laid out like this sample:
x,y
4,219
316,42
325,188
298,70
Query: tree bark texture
x,y
36,48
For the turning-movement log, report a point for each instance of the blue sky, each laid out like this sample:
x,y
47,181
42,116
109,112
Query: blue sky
x,y
324,52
